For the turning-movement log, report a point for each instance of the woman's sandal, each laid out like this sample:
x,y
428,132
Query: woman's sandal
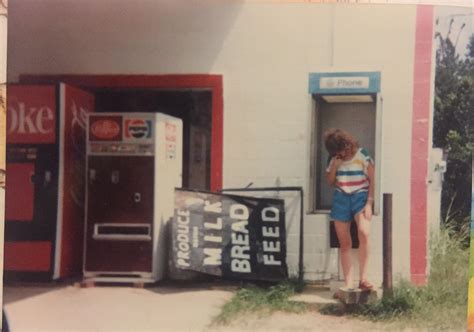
x,y
365,285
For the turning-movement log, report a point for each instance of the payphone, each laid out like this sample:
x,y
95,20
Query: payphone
x,y
350,101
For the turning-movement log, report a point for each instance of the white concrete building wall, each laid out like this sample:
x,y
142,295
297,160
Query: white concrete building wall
x,y
363,38
265,53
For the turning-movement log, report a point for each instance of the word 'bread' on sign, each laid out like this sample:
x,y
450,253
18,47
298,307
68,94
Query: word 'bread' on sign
x,y
240,251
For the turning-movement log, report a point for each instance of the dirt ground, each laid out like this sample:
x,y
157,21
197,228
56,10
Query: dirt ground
x,y
64,307
310,321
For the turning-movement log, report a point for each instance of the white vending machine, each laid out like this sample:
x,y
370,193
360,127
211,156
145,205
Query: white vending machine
x,y
134,163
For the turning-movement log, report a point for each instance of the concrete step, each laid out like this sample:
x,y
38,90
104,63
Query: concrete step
x,y
324,294
357,296
320,297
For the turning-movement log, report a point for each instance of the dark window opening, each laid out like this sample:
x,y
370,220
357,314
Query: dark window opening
x,y
357,117
194,107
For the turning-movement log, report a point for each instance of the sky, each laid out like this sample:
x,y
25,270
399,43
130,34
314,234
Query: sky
x,y
460,15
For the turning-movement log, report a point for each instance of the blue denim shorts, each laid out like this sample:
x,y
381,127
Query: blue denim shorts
x,y
346,206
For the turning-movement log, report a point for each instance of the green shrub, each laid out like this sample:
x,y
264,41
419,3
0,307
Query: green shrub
x,y
449,273
404,300
441,304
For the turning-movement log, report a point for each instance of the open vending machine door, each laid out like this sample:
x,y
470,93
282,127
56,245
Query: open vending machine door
x,y
44,183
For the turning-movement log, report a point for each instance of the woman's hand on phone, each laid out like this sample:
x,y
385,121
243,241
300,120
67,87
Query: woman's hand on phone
x,y
336,162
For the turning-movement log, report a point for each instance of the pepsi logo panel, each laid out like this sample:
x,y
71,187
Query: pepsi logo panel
x,y
138,129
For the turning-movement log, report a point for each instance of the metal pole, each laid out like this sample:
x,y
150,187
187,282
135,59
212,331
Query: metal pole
x,y
301,247
387,245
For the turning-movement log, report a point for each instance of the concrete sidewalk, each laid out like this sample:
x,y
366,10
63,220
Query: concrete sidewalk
x,y
167,306
113,308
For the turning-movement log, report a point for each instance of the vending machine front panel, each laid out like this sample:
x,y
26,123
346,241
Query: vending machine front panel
x,y
134,162
31,162
120,189
20,189
120,214
45,183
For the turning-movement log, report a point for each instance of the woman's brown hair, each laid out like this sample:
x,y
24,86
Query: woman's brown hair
x,y
336,140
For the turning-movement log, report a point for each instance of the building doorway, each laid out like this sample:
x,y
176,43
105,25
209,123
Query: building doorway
x,y
196,99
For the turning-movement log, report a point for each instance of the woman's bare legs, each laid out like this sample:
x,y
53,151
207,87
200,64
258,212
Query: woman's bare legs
x,y
343,231
363,232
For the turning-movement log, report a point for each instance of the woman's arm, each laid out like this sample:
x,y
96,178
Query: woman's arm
x,y
331,174
371,176
370,199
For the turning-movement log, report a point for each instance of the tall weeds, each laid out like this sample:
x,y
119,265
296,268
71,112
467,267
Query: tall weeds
x,y
442,303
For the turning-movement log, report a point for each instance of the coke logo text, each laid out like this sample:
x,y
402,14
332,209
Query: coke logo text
x,y
32,120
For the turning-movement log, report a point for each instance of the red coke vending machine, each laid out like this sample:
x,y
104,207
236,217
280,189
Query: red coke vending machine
x,y
134,162
44,183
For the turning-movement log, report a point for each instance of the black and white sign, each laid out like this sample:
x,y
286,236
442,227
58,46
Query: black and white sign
x,y
231,236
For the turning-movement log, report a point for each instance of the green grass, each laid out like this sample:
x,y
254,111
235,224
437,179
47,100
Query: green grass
x,y
401,305
441,304
471,263
260,301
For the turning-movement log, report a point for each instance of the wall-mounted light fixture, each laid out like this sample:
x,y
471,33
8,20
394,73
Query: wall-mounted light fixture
x,y
348,98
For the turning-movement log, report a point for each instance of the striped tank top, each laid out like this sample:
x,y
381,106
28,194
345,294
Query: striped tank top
x,y
351,176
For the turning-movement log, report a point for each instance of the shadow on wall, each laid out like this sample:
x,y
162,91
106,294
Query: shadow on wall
x,y
110,37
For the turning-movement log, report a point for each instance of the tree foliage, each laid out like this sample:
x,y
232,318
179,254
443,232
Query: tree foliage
x,y
453,123
470,47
